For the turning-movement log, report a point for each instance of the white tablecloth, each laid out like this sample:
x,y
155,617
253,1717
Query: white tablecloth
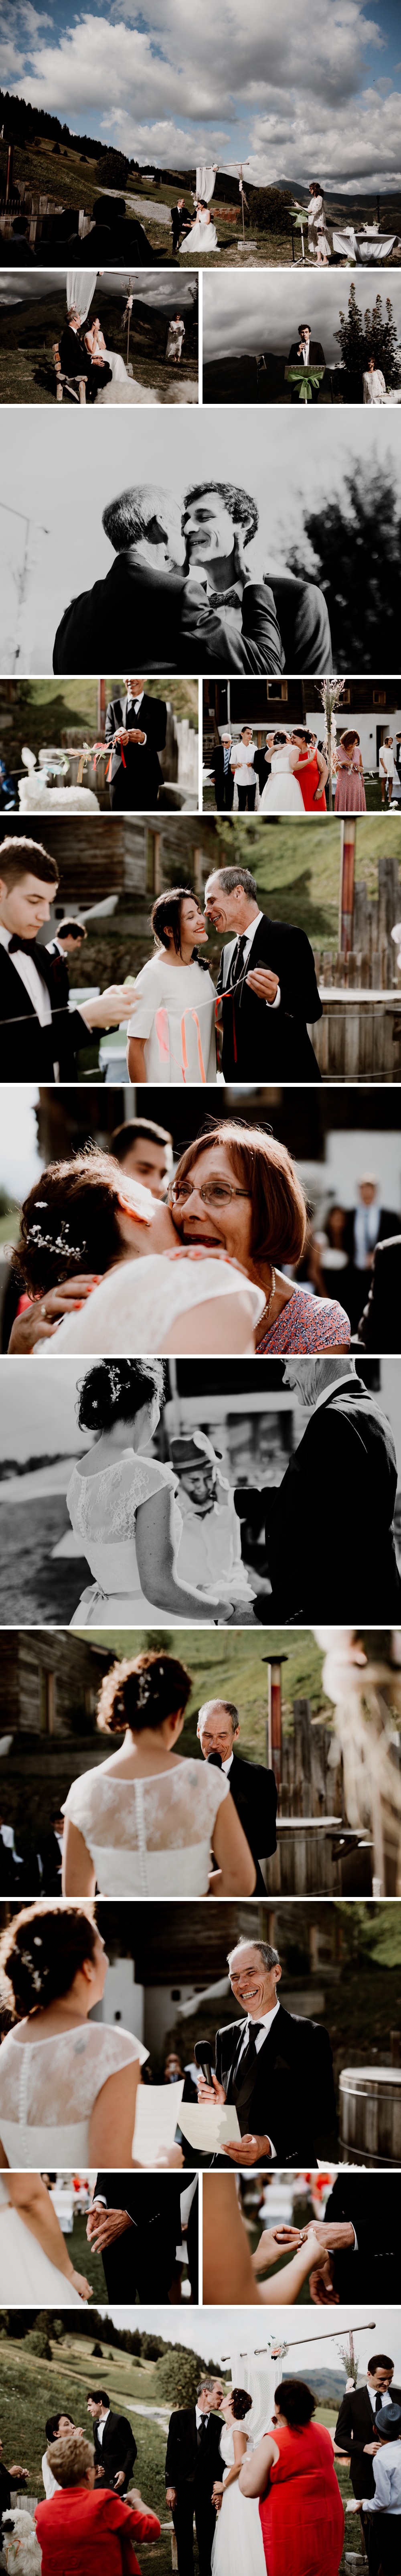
x,y
369,246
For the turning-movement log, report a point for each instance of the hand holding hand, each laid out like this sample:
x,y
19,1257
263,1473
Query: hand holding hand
x,y
263,983
78,2282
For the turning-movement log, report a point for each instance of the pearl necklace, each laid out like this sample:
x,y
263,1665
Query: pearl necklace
x,y
266,1310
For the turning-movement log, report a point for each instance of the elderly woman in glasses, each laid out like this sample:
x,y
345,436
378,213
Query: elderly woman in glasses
x,y
237,1213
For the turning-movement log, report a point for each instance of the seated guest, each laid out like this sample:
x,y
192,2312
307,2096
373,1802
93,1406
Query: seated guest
x,y
136,731
75,360
84,2527
378,1328
253,1788
305,352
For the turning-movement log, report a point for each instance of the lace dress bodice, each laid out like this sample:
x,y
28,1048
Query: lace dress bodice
x,y
135,1305
103,1509
149,1837
48,2090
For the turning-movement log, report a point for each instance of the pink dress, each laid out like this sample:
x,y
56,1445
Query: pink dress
x,y
350,792
307,1323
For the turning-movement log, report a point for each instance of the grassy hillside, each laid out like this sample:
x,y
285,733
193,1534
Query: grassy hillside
x,y
31,2389
297,866
232,1662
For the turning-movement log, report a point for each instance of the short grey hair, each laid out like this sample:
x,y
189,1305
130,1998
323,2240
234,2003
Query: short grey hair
x,y
126,518
209,2383
228,878
270,1957
227,1704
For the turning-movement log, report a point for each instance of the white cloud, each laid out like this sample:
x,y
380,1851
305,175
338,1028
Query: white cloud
x,y
290,84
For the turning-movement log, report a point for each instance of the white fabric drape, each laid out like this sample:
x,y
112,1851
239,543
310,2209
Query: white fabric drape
x,y
81,284
205,179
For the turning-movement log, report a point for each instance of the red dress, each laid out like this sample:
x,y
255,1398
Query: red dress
x,y
308,774
302,2516
90,2531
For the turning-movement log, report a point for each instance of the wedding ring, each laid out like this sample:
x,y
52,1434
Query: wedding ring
x,y
43,1313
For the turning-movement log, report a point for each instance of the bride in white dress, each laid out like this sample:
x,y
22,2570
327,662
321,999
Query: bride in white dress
x,y
203,236
94,1285
238,2544
144,1822
67,2085
121,1505
35,2265
171,1033
282,793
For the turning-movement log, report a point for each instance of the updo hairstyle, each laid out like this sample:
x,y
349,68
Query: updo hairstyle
x,y
70,1220
166,917
240,2403
115,1390
42,1951
142,1692
295,2401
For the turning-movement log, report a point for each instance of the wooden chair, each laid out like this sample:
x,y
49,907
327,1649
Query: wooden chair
x,y
68,384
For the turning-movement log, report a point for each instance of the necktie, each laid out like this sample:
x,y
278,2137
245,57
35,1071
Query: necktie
x,y
379,2402
249,2052
202,2429
237,960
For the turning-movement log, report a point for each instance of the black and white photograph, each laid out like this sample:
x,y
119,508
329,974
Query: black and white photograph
x,y
259,346
113,744
58,332
290,1787
236,1493
302,746
234,549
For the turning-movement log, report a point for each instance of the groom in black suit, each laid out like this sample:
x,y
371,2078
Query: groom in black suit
x,y
193,2466
252,1788
267,985
115,2448
186,620
135,2223
330,1547
306,353
275,2068
361,2236
40,1036
136,731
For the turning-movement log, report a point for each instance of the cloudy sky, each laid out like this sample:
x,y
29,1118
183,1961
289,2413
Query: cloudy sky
x,y
31,285
217,2332
293,91
74,463
262,310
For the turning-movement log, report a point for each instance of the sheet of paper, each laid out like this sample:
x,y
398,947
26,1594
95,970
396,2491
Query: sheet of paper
x,y
209,2126
158,2114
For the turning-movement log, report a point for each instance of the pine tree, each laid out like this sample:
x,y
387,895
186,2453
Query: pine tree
x,y
356,545
370,337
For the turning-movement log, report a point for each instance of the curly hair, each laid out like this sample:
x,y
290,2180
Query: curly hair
x,y
115,1390
42,1951
71,1218
142,1691
240,2403
295,2401
239,503
264,1168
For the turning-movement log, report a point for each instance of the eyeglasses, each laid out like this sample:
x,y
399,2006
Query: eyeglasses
x,y
216,1194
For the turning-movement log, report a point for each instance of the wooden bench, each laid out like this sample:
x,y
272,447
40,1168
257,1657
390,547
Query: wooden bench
x,y
67,384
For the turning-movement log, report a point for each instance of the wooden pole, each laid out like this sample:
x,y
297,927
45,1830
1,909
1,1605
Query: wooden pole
x,y
347,883
274,1726
10,166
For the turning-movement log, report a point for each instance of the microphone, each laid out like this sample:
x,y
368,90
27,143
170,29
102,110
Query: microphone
x,y
204,2057
216,1761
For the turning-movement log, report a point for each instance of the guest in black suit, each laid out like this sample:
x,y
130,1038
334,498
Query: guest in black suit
x,y
74,359
181,222
183,624
355,2427
39,1037
15,2477
221,771
252,1788
136,2224
366,1225
361,2234
379,1326
136,727
330,1546
274,2067
307,353
193,2464
115,2448
268,986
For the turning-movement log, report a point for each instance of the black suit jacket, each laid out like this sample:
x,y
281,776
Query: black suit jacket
x,y
166,619
28,1052
224,783
388,1223
145,2255
139,782
117,2450
379,1326
265,1045
74,358
372,2269
288,2095
355,2426
255,1798
186,2463
329,1526
316,357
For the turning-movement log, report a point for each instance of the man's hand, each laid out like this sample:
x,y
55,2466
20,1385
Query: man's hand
x,y
119,2480
371,2448
321,2286
250,2151
264,984
336,2238
104,2224
213,2092
120,736
17,2472
171,2497
109,1009
135,734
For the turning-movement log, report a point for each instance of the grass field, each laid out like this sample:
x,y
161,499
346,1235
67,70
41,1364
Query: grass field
x,y
27,373
73,181
234,1662
297,864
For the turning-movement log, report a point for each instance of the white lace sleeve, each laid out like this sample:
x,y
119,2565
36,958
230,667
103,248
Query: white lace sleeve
x,y
105,1506
56,2081
173,1811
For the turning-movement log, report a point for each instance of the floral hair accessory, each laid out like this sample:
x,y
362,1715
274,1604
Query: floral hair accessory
x,y
56,1242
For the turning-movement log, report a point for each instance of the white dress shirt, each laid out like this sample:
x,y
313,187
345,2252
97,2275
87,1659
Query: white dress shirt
x,y
101,2420
386,2395
265,2024
202,2416
249,936
28,971
305,352
242,759
387,2478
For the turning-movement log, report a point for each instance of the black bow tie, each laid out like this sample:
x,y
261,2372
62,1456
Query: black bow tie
x,y
27,947
224,599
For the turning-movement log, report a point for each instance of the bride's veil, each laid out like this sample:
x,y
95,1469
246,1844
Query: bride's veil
x,y
259,2377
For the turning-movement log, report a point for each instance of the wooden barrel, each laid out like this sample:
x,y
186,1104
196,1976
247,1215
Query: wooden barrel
x,y
370,2114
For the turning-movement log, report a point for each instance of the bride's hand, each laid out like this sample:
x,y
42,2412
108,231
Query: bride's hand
x,y
78,2282
273,2242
